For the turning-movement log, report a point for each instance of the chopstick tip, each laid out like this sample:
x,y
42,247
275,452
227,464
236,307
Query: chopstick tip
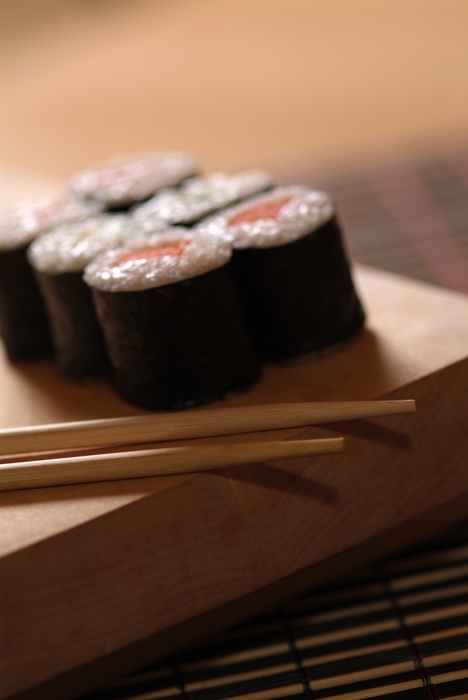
x,y
340,444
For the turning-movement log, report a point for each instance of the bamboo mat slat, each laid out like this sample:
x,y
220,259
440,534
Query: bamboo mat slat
x,y
401,633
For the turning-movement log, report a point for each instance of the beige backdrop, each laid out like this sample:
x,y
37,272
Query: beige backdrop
x,y
235,81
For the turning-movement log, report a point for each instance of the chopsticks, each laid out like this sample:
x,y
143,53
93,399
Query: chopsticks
x,y
173,460
165,461
193,424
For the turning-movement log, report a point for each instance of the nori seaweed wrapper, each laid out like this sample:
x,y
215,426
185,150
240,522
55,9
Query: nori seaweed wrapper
x,y
24,326
59,258
77,336
23,318
298,297
179,344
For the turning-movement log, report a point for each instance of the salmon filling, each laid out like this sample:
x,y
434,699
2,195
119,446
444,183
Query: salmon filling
x,y
158,251
261,211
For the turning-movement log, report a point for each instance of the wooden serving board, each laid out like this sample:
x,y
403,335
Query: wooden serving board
x,y
98,579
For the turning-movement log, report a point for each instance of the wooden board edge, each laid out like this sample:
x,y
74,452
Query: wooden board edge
x,y
438,383
110,668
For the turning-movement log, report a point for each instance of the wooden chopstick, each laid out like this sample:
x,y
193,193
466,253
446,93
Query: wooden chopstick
x,y
165,461
191,424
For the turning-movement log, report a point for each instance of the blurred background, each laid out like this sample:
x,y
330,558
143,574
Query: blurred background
x,y
366,98
237,82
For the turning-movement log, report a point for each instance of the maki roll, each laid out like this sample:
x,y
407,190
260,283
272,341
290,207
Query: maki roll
x,y
59,259
291,271
120,182
23,320
172,321
200,196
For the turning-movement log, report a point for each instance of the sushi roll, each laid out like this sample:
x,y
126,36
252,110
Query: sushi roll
x,y
172,321
124,180
200,196
23,320
291,271
59,259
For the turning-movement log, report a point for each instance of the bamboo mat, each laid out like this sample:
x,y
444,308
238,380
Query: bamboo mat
x,y
402,631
